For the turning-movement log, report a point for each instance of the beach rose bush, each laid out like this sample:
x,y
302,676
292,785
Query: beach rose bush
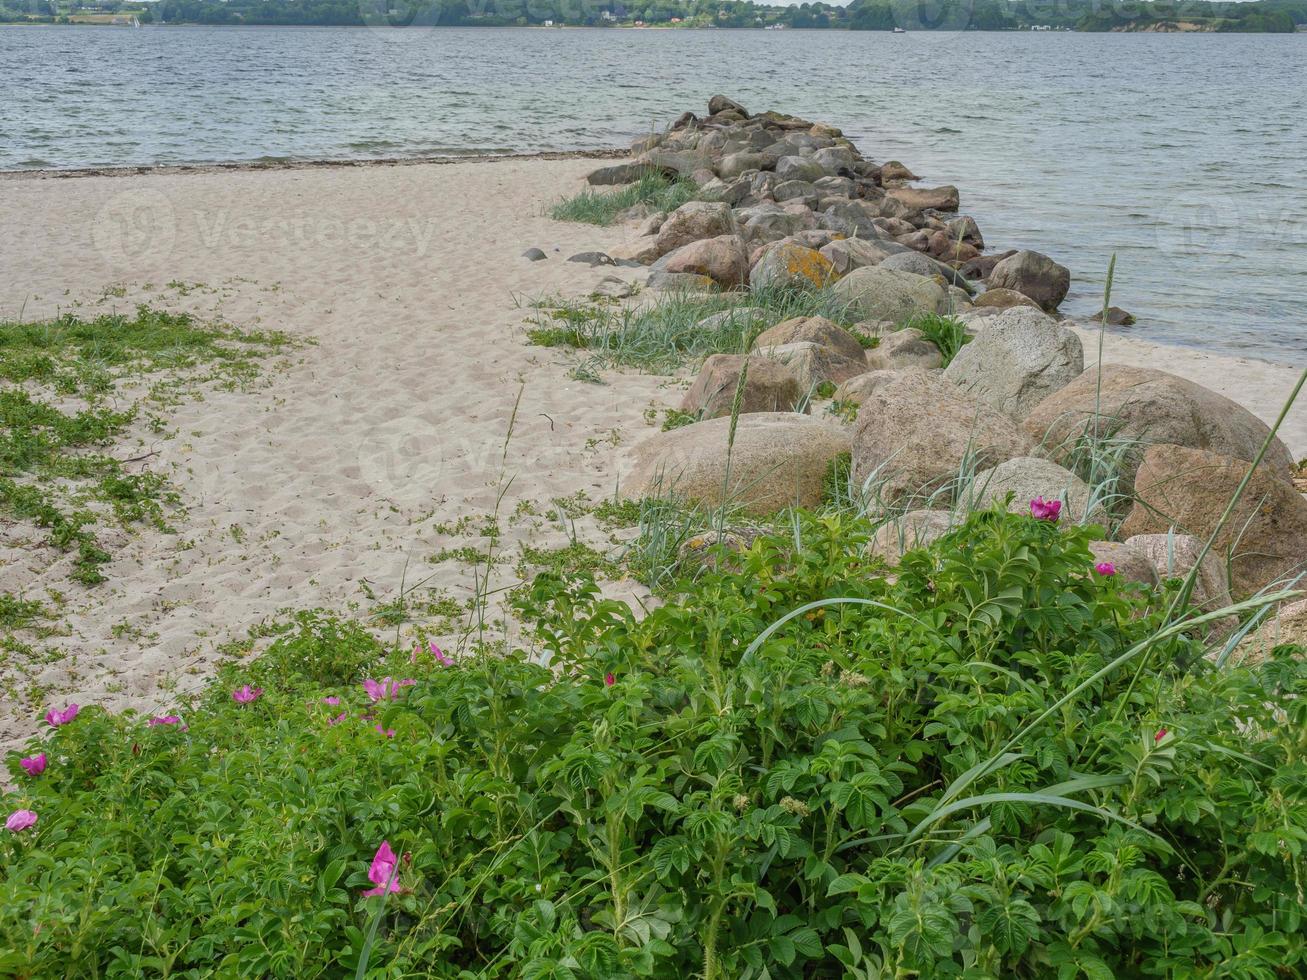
x,y
958,773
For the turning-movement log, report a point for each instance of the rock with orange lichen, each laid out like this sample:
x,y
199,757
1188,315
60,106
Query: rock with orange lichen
x,y
791,265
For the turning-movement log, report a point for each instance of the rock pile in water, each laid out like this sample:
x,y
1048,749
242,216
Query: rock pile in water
x,y
787,202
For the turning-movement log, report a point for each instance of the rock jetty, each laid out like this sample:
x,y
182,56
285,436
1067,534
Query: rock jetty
x,y
1010,413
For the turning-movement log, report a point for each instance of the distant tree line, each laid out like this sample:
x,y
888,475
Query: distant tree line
x,y
1259,16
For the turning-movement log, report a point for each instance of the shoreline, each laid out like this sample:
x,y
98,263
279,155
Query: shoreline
x,y
1080,324
329,163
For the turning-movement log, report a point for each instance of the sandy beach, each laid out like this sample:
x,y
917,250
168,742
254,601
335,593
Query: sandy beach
x,y
337,479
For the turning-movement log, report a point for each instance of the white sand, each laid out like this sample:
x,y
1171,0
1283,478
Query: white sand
x,y
330,482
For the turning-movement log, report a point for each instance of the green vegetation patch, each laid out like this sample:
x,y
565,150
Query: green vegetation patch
x,y
655,191
945,332
999,764
664,337
63,404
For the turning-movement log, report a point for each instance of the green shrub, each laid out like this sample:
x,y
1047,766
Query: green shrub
x,y
799,769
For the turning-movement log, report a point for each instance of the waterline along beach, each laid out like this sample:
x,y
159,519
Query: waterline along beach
x,y
703,546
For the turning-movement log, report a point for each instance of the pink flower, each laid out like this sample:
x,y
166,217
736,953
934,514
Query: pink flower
x,y
57,718
331,699
386,689
1105,568
388,732
1161,734
338,719
35,765
609,679
1045,510
383,872
20,820
440,656
246,694
164,720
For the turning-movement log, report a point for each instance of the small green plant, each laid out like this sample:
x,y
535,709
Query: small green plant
x,y
655,191
945,332
674,418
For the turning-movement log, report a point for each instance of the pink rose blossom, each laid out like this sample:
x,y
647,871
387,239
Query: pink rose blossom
x,y
164,720
57,718
386,689
440,656
20,820
246,694
331,700
338,719
1161,734
35,765
609,679
388,732
1105,568
383,872
1045,510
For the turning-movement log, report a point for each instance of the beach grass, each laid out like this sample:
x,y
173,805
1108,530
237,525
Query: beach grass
x,y
666,335
654,190
67,409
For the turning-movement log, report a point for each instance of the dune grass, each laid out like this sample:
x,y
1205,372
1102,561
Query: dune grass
x,y
945,332
656,191
662,337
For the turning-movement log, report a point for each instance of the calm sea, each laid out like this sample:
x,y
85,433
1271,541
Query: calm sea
x,y
1184,155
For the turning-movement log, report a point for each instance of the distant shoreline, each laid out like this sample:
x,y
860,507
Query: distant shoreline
x,y
237,166
1156,27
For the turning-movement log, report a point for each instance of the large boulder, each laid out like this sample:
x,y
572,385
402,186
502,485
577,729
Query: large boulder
x,y
1004,299
915,431
834,160
814,330
904,348
741,162
799,168
1151,406
859,388
1129,563
621,173
1033,275
940,198
1019,359
847,254
769,386
771,222
720,103
924,265
777,460
1174,556
874,293
852,218
1265,538
723,259
788,265
815,364
693,221
1028,477
675,163
643,249
915,529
